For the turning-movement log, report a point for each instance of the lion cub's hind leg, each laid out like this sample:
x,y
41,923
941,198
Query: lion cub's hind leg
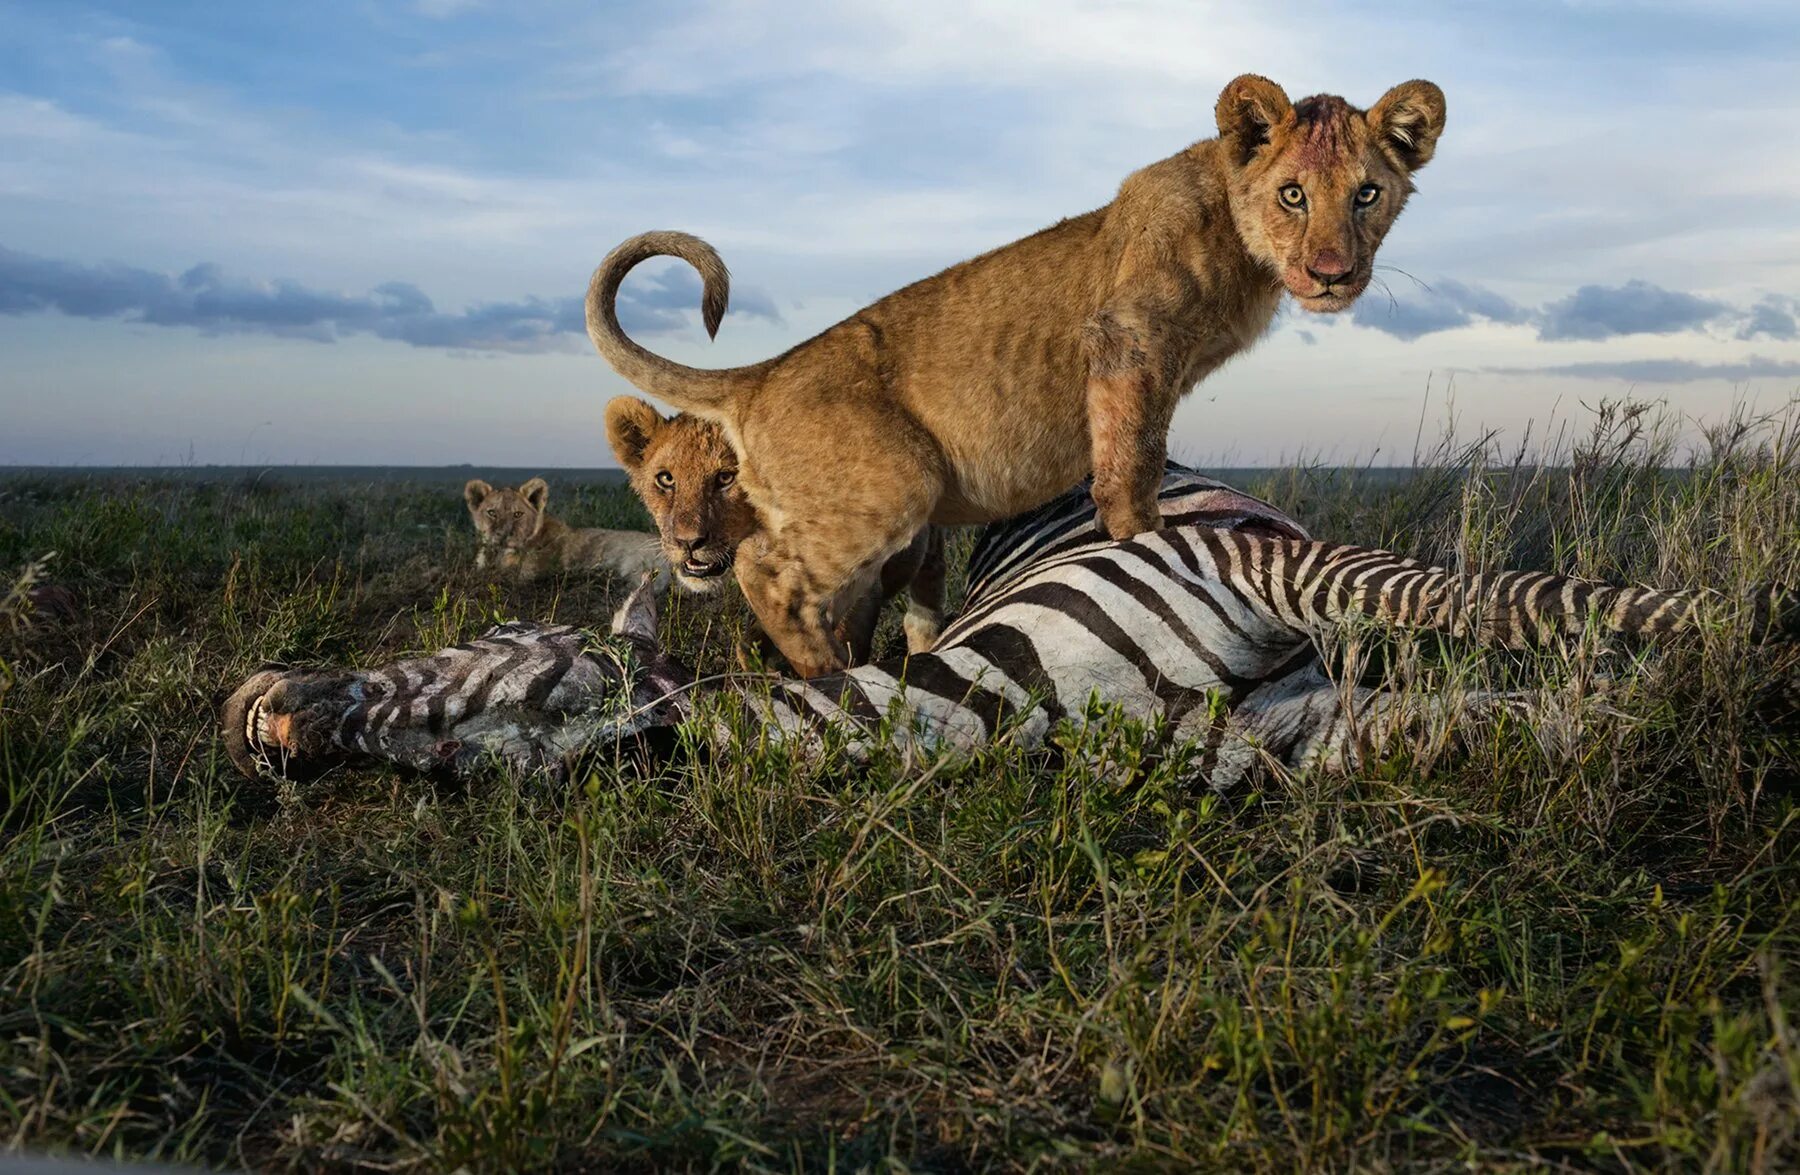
x,y
837,509
794,609
815,591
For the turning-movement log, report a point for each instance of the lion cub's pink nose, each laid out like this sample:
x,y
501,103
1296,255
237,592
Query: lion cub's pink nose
x,y
1328,266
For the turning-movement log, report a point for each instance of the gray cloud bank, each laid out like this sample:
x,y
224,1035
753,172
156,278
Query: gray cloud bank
x,y
1666,371
1635,308
205,298
1413,314
664,300
1773,317
1590,313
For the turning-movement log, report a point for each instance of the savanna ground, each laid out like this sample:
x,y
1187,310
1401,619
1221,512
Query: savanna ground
x,y
1567,947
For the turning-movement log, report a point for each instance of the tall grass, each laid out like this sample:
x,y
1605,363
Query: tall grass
x,y
1571,942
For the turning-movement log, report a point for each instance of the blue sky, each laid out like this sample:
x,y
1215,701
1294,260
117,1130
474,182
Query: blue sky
x,y
355,231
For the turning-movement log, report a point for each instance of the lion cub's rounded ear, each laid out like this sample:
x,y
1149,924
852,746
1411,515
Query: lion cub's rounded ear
x,y
631,424
1248,111
536,493
476,492
1408,120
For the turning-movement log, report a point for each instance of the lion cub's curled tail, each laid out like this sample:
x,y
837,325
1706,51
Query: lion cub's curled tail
x,y
685,387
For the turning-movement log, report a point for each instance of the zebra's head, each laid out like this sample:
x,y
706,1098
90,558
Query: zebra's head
x,y
530,695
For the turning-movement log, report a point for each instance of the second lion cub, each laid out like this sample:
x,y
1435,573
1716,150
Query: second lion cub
x,y
519,534
687,475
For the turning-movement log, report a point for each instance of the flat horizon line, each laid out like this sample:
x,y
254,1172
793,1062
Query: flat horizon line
x,y
261,466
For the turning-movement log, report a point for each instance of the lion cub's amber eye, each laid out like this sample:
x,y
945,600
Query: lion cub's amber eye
x,y
1293,196
665,480
726,477
1367,195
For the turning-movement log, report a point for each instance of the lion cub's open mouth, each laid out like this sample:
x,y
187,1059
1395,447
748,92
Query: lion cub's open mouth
x,y
695,569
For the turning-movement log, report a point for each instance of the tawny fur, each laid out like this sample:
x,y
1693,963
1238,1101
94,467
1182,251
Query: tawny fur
x,y
985,390
519,535
688,477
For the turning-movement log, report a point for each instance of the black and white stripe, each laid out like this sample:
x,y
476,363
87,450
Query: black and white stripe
x,y
1187,498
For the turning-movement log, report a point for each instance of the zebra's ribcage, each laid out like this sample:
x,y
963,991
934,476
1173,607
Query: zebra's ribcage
x,y
1070,520
987,675
1148,625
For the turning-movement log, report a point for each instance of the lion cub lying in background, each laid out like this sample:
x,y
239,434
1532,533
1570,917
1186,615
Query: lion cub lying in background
x,y
518,534
687,475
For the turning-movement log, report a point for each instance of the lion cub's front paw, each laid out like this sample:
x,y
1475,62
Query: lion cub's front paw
x,y
1128,520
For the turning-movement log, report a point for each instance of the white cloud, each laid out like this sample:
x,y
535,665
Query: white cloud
x,y
726,43
24,118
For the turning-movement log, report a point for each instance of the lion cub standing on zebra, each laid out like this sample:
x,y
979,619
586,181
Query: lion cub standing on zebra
x,y
518,534
989,389
687,475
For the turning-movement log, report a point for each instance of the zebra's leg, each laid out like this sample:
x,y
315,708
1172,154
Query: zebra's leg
x,y
1304,722
523,693
1312,586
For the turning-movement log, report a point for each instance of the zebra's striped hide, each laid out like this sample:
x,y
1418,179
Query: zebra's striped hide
x,y
1210,624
